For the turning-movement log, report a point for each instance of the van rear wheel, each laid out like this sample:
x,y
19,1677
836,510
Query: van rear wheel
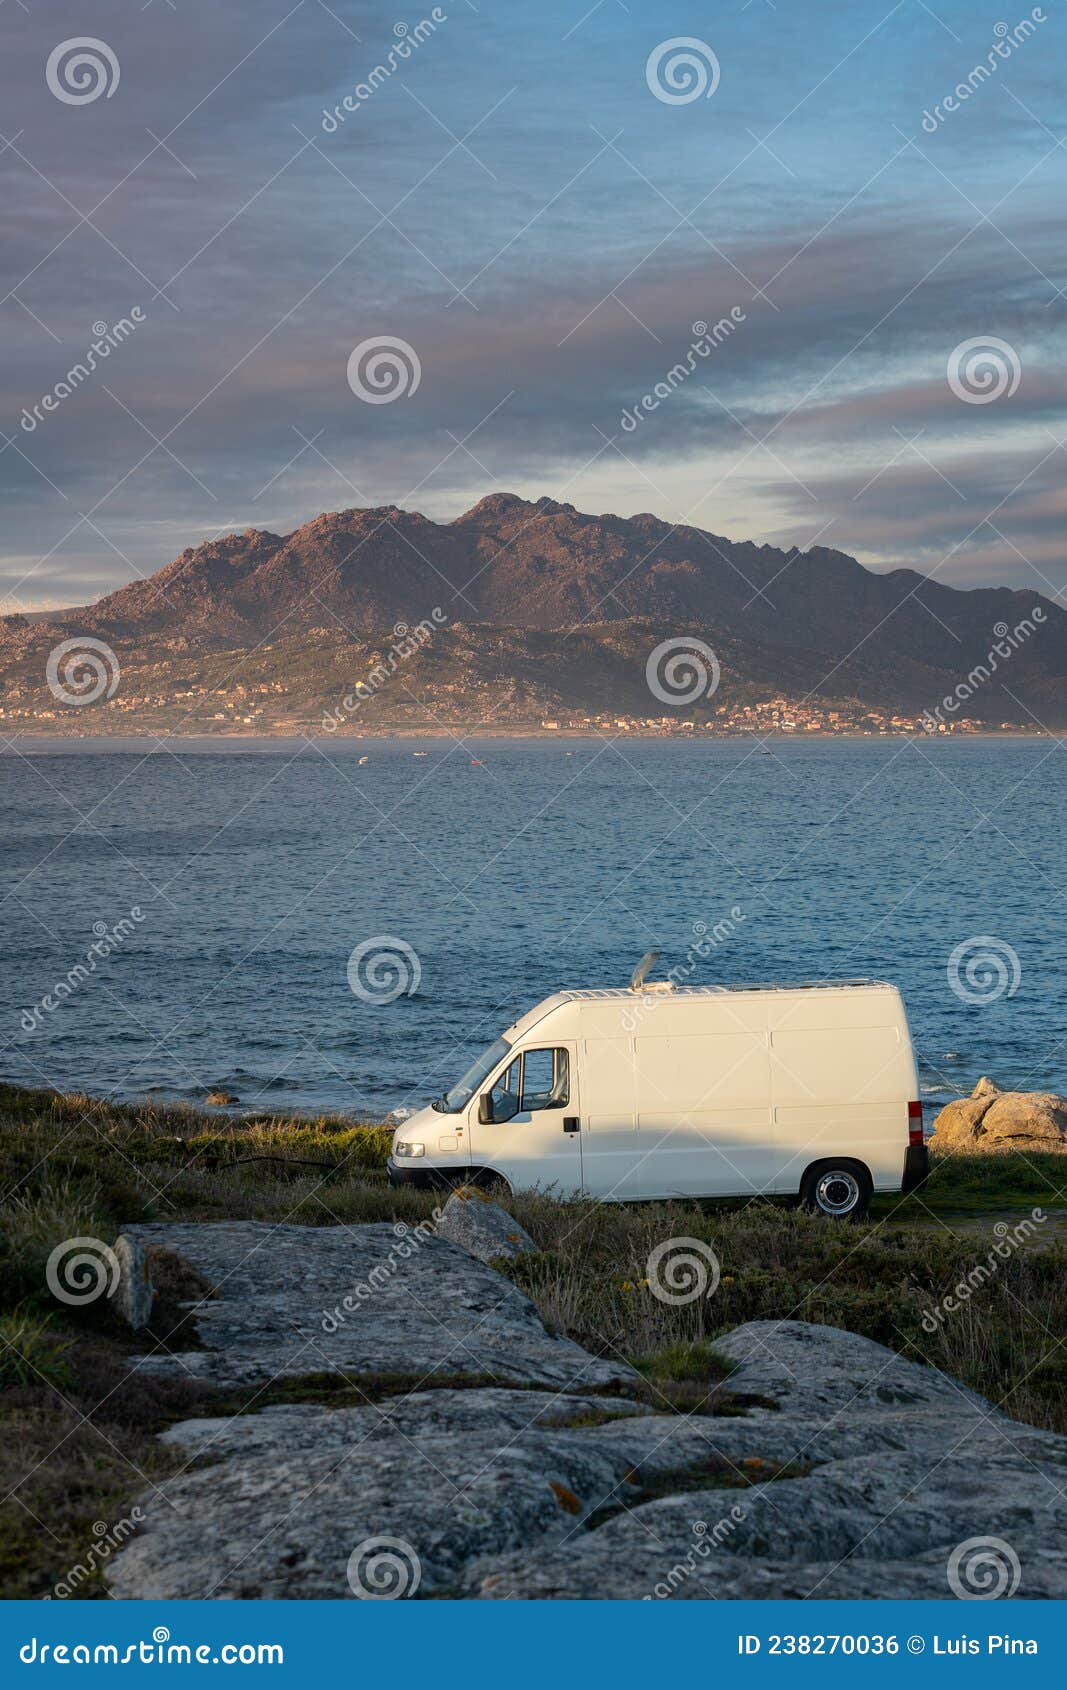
x,y
839,1190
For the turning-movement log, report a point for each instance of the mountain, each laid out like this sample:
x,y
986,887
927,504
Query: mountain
x,y
788,621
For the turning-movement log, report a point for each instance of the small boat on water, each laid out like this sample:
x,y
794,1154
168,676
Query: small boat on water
x,y
362,761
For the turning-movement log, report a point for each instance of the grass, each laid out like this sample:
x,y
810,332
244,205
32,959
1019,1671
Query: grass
x,y
881,1279
998,1179
30,1351
81,1444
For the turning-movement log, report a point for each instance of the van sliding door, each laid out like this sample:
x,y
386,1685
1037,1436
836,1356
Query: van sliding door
x,y
704,1114
611,1160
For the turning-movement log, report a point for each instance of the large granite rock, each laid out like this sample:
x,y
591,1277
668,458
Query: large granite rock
x,y
293,1300
991,1119
917,1488
481,1227
893,1469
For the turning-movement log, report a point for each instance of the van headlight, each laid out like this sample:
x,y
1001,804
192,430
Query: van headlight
x,y
409,1149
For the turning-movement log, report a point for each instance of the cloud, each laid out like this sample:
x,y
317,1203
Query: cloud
x,y
590,230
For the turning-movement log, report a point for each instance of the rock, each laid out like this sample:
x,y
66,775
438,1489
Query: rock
x,y
133,1295
815,1370
293,1300
221,1097
454,1475
481,1227
501,1493
906,1468
957,1125
991,1119
1035,1118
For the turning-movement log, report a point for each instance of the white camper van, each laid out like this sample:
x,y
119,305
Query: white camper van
x,y
630,1095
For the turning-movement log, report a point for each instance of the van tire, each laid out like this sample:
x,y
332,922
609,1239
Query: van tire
x,y
839,1189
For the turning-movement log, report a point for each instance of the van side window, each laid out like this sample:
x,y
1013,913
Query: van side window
x,y
538,1079
545,1079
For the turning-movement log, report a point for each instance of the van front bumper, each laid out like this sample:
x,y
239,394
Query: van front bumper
x,y
916,1167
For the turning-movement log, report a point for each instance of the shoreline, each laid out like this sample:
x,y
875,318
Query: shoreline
x,y
158,741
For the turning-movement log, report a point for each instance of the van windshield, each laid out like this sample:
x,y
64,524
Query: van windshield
x,y
460,1094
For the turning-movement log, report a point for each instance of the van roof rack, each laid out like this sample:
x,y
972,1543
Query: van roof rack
x,y
593,993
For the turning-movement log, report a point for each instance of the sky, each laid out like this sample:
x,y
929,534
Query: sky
x,y
532,206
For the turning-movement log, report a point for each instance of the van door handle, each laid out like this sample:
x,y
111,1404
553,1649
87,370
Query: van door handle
x,y
570,1123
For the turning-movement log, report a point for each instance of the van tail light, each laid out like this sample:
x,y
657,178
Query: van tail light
x,y
915,1123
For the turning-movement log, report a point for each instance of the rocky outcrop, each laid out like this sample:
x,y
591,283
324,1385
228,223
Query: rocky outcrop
x,y
292,1300
481,1227
853,1472
991,1119
917,1488
501,1493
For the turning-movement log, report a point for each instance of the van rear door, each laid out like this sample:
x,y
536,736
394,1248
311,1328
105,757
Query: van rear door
x,y
843,1073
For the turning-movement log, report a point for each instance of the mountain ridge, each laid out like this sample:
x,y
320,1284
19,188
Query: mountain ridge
x,y
545,567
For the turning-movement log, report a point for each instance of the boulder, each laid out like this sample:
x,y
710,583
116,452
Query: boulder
x,y
133,1295
958,1124
1036,1118
991,1119
220,1098
481,1227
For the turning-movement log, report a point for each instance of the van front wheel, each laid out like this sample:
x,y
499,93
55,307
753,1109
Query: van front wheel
x,y
486,1180
839,1190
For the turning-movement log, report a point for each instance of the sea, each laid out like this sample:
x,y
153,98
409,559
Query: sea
x,y
338,926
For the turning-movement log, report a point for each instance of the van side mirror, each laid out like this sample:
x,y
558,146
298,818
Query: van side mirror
x,y
485,1108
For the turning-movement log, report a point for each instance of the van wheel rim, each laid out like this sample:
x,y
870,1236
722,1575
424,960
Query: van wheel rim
x,y
837,1192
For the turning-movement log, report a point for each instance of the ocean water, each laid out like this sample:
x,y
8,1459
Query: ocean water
x,y
237,880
